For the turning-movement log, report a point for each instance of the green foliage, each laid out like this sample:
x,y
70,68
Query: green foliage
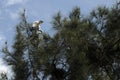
x,y
81,48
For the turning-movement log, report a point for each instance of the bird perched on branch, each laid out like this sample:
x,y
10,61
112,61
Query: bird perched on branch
x,y
37,23
35,30
37,26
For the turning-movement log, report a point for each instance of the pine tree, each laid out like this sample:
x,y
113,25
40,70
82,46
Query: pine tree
x,y
82,48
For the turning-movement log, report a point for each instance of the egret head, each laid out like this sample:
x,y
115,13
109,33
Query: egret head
x,y
40,21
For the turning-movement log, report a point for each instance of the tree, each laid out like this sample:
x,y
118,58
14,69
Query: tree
x,y
82,48
70,38
3,76
105,52
16,57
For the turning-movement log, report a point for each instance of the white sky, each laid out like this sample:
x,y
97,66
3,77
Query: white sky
x,y
7,69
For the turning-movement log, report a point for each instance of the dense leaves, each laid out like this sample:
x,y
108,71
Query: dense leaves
x,y
82,48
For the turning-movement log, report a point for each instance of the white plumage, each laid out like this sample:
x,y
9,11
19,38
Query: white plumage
x,y
37,27
37,23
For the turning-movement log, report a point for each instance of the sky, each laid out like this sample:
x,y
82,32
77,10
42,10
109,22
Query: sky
x,y
6,69
40,9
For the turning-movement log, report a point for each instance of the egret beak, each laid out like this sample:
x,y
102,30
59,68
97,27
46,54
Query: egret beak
x,y
41,21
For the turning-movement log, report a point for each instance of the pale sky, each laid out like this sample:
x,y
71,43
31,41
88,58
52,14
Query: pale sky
x,y
6,69
40,9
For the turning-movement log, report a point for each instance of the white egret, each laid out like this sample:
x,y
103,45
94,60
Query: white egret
x,y
37,26
37,23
